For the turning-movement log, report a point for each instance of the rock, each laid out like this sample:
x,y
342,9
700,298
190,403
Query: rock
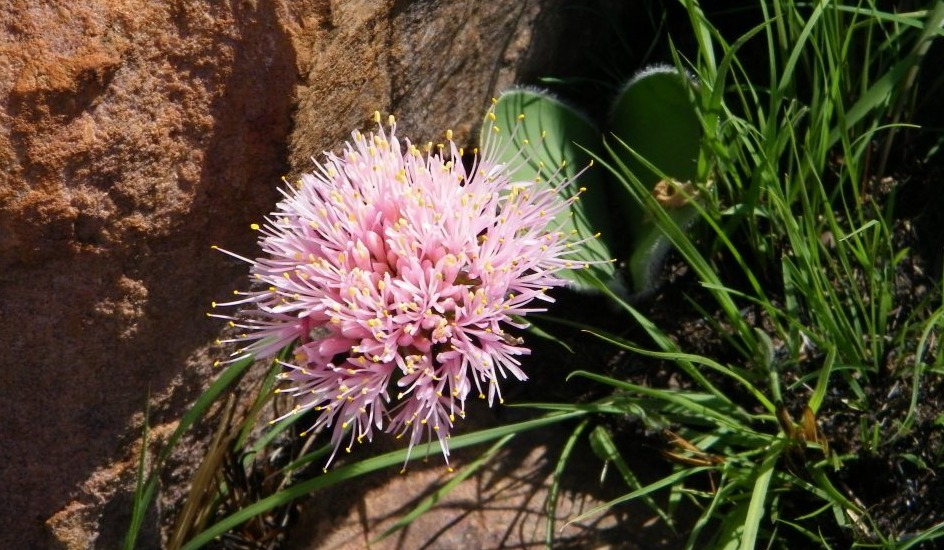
x,y
502,505
434,64
135,135
132,137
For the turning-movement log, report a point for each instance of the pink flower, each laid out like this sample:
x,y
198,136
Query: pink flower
x,y
396,273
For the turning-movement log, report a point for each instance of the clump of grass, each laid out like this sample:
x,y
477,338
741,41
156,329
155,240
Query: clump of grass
x,y
795,229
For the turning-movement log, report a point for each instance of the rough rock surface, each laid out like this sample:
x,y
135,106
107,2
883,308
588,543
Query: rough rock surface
x,y
502,505
135,135
435,64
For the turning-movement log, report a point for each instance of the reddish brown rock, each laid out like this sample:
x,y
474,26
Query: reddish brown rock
x,y
436,65
132,136
488,502
135,135
504,504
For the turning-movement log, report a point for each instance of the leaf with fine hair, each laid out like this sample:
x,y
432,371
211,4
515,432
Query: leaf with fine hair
x,y
655,118
540,136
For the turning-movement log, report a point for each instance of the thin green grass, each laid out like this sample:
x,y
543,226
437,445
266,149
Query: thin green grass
x,y
146,487
812,249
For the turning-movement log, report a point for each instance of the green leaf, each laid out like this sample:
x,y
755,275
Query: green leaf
x,y
757,508
550,505
674,479
883,89
141,498
601,441
656,120
549,136
655,117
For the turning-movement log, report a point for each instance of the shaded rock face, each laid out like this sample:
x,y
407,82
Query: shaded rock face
x,y
132,136
504,503
135,135
436,64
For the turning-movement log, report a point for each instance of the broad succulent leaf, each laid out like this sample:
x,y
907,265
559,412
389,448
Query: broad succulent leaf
x,y
654,117
543,135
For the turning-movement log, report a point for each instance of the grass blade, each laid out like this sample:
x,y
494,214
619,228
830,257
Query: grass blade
x,y
363,467
755,510
438,494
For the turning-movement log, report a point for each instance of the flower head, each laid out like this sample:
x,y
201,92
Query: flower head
x,y
397,272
